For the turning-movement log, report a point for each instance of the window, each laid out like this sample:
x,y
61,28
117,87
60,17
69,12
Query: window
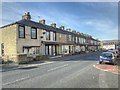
x,y
69,37
77,39
107,54
21,32
54,36
31,50
84,41
33,33
60,36
65,37
47,35
73,38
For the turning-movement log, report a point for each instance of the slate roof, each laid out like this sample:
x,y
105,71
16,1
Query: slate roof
x,y
45,27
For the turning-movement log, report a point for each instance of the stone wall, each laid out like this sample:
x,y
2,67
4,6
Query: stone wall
x,y
9,39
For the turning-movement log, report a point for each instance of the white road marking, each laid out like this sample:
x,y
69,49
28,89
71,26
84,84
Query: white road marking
x,y
58,67
21,79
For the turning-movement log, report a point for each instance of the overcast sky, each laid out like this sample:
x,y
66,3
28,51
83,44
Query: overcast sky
x,y
99,19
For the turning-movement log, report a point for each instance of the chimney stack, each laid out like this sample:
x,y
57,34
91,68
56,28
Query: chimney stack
x,y
53,25
42,21
78,33
27,16
74,31
68,29
62,27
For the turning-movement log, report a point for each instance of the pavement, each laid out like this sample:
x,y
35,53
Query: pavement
x,y
64,72
9,67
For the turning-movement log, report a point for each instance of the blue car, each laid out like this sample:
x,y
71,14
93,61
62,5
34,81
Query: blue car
x,y
107,57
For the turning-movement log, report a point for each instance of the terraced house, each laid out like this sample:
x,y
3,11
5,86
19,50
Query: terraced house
x,y
26,37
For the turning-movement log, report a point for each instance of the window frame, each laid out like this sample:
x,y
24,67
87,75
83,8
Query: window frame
x,y
19,31
46,35
54,37
60,36
35,33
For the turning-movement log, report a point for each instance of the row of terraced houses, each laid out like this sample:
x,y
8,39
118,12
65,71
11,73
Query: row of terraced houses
x,y
37,38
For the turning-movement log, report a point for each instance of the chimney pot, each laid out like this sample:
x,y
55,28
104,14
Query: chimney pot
x,y
68,29
27,16
74,31
53,25
62,27
42,21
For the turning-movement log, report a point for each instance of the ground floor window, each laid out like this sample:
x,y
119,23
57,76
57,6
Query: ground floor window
x,y
31,50
50,50
65,49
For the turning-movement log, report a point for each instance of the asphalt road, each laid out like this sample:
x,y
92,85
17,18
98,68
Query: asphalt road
x,y
66,72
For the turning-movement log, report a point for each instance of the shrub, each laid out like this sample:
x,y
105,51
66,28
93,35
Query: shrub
x,y
22,59
7,62
83,52
23,62
68,55
30,59
41,57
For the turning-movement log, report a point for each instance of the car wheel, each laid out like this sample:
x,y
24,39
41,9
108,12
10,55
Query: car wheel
x,y
100,62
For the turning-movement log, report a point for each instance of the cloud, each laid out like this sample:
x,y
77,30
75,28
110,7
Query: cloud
x,y
105,29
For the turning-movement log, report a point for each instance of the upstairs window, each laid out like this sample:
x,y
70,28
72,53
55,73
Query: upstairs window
x,y
54,36
72,38
77,39
47,35
60,36
65,37
69,37
33,33
21,30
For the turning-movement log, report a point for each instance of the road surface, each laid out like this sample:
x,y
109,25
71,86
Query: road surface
x,y
65,72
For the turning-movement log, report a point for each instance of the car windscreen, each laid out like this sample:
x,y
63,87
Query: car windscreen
x,y
107,54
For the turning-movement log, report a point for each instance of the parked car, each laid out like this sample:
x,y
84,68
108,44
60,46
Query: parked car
x,y
107,57
115,52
